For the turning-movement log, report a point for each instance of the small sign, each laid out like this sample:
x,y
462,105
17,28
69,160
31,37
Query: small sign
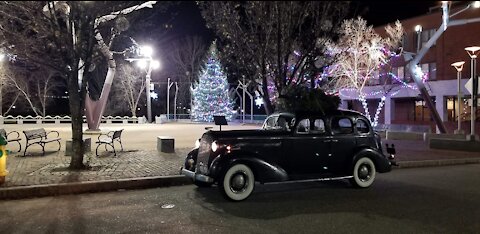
x,y
469,86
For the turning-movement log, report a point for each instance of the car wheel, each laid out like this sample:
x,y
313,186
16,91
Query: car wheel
x,y
363,173
237,182
202,184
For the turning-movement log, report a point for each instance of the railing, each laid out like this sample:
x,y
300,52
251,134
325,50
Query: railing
x,y
256,119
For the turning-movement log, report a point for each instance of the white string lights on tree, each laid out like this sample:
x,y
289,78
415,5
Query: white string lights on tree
x,y
360,54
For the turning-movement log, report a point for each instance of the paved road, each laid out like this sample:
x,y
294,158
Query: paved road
x,y
423,200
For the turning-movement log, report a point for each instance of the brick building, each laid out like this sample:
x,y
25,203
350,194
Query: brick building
x,y
404,105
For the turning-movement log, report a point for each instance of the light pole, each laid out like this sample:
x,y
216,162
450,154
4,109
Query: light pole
x,y
472,52
459,67
418,29
147,62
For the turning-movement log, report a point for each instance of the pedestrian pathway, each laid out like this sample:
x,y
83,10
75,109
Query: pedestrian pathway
x,y
53,167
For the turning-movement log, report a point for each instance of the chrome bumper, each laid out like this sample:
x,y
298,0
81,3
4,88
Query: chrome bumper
x,y
197,177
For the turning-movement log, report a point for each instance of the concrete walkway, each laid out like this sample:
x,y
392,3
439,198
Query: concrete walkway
x,y
140,165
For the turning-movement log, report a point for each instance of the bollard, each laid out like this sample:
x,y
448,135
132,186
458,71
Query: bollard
x,y
3,159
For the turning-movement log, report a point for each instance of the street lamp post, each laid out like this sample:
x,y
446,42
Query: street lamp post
x,y
147,62
147,92
459,67
473,52
418,29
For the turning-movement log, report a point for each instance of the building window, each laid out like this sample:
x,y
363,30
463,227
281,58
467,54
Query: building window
x,y
421,112
399,72
405,42
430,69
426,35
375,80
408,76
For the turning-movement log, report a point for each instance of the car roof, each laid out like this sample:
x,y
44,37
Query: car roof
x,y
310,113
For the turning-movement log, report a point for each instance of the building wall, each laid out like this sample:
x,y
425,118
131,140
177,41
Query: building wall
x,y
449,48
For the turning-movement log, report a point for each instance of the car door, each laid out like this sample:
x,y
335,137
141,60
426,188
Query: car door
x,y
342,143
308,149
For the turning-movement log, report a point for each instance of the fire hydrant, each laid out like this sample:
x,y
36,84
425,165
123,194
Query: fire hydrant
x,y
3,159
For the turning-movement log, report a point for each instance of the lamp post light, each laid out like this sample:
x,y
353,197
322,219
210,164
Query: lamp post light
x,y
418,29
147,62
473,52
459,67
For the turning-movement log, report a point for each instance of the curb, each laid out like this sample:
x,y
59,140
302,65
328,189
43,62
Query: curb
x,y
437,163
31,191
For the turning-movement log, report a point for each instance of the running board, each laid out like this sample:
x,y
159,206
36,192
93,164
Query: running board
x,y
310,180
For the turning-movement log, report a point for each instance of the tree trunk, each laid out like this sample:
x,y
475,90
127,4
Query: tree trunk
x,y
266,97
75,102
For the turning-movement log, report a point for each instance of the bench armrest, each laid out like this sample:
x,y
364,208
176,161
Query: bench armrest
x,y
46,135
18,134
106,135
110,134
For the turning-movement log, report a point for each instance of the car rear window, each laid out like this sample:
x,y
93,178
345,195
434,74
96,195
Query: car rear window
x,y
362,126
342,125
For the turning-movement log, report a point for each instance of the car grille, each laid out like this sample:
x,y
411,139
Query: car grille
x,y
204,153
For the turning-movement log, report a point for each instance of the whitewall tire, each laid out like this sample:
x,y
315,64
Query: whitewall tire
x,y
363,173
238,182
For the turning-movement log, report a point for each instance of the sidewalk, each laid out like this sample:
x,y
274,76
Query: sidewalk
x,y
36,175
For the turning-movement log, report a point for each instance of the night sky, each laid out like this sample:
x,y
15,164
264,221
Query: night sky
x,y
188,20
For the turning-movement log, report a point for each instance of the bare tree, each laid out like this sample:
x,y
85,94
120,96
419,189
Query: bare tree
x,y
187,55
61,36
358,55
131,84
260,38
9,95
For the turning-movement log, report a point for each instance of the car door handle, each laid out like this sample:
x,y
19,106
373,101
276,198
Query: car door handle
x,y
334,140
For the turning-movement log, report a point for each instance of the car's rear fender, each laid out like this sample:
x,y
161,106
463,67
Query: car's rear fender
x,y
264,172
381,162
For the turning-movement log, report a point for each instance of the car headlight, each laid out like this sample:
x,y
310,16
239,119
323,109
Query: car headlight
x,y
214,146
197,144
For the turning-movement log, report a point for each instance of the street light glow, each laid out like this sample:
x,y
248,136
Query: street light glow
x,y
155,64
476,4
418,28
146,51
142,64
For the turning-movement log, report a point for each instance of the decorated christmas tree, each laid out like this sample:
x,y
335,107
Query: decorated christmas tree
x,y
210,93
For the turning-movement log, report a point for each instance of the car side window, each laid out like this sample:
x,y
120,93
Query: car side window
x,y
318,126
362,126
342,125
282,124
270,123
303,126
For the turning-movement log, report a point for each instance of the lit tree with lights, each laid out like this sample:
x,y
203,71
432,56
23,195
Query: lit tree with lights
x,y
359,55
211,96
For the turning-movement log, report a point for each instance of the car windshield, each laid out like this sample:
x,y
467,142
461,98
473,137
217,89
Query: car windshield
x,y
282,123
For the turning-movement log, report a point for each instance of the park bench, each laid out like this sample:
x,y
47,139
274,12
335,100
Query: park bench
x,y
40,137
14,139
109,139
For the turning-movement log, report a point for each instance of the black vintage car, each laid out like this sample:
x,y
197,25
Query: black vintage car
x,y
289,147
